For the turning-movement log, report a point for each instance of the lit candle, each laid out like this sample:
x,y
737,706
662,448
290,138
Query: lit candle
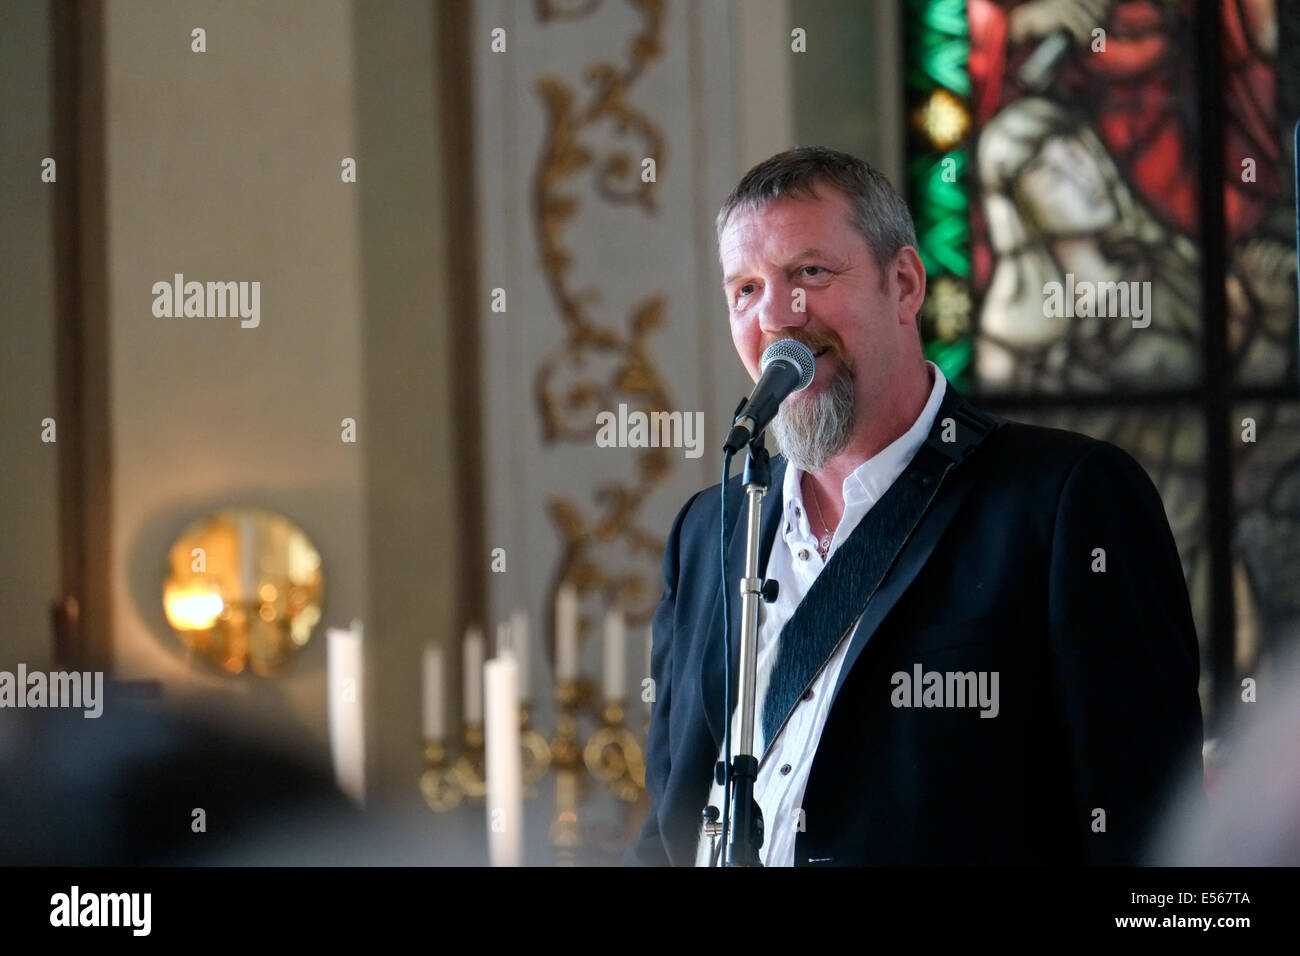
x,y
503,763
566,634
519,642
434,706
343,675
615,655
473,673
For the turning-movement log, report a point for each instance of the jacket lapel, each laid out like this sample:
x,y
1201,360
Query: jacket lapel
x,y
910,560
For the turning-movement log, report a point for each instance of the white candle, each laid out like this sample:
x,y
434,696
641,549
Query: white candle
x,y
344,685
503,762
615,656
434,706
566,634
519,644
473,673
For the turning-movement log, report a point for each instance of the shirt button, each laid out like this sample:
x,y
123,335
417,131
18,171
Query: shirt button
x,y
785,769
808,695
803,554
797,512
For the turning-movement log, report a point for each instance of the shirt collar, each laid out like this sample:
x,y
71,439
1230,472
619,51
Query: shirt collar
x,y
872,478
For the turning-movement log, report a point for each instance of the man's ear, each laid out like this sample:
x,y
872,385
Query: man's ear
x,y
909,274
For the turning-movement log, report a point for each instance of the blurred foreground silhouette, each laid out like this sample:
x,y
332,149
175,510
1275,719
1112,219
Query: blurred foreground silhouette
x,y
122,790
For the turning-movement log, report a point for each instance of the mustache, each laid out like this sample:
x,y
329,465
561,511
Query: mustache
x,y
814,343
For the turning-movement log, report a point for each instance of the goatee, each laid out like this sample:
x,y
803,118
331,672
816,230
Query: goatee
x,y
812,430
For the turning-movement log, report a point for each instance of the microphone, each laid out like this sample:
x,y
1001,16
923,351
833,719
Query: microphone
x,y
788,366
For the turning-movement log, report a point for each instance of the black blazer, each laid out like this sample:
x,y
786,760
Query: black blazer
x,y
1098,671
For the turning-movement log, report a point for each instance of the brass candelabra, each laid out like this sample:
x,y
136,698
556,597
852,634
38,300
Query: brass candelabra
x,y
610,755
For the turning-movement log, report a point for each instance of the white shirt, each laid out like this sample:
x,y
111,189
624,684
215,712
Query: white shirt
x,y
795,563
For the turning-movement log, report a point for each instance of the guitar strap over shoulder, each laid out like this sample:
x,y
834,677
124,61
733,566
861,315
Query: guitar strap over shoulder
x,y
840,594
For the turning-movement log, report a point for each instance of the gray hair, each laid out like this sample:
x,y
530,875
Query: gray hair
x,y
878,212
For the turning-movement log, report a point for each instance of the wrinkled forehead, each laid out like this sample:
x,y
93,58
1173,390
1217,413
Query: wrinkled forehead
x,y
776,229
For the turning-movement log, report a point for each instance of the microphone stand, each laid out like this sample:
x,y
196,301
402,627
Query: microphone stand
x,y
741,844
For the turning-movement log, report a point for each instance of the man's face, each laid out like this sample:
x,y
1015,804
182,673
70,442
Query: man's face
x,y
850,319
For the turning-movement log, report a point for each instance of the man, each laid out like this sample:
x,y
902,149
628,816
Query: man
x,y
1000,669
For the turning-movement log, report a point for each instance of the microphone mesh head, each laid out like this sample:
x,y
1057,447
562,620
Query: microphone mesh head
x,y
797,354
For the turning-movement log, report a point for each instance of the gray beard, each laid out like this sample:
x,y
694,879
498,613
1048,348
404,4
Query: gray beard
x,y
812,431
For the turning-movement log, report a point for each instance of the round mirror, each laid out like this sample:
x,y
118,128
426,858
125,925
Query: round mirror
x,y
243,589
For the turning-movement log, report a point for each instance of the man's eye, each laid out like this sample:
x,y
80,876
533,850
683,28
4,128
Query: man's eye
x,y
816,270
741,290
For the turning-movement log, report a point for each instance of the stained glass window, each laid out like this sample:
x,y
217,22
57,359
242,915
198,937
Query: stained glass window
x,y
937,84
1061,156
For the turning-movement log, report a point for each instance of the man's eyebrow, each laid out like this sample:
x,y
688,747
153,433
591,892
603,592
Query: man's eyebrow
x,y
811,252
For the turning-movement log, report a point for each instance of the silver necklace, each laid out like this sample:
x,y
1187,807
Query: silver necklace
x,y
824,543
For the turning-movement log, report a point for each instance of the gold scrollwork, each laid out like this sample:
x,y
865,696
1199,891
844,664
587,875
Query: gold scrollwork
x,y
597,366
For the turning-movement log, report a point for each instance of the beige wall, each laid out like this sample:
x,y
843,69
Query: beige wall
x,y
410,339
847,90
224,165
29,570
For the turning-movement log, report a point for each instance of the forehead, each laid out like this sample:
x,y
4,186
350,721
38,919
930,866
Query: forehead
x,y
780,229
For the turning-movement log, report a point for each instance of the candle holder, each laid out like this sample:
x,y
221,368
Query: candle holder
x,y
579,695
536,755
439,784
470,767
589,739
615,758
566,755
565,834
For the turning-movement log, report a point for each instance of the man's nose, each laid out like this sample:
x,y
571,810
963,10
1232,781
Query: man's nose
x,y
778,310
